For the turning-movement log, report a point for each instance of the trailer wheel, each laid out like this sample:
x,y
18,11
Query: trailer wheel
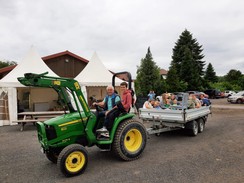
x,y
192,128
157,134
130,140
201,125
73,160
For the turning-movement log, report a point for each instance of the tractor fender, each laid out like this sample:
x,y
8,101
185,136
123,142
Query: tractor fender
x,y
117,121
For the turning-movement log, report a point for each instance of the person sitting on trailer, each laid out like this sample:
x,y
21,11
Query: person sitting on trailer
x,y
173,99
157,105
148,104
165,101
204,101
193,102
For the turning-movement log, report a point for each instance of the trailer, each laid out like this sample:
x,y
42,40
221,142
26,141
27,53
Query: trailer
x,y
176,117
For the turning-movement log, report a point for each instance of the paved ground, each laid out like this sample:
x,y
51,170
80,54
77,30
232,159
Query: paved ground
x,y
216,155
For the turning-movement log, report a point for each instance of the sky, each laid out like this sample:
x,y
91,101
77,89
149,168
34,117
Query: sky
x,y
120,31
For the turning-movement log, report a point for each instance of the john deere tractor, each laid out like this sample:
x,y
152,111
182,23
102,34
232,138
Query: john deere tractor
x,y
63,139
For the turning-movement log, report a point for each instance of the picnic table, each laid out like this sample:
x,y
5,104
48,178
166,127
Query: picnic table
x,y
33,117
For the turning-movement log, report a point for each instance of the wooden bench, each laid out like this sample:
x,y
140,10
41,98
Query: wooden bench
x,y
33,117
24,121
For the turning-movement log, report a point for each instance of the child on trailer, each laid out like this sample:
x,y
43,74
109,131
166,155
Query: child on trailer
x,y
157,105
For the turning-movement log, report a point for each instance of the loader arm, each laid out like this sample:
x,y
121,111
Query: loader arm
x,y
57,83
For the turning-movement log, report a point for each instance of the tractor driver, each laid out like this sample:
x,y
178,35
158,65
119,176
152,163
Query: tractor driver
x,y
108,103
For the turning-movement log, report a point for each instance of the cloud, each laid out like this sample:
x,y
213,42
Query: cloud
x,y
120,31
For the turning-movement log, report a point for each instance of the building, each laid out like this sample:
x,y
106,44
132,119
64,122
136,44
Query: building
x,y
64,64
163,73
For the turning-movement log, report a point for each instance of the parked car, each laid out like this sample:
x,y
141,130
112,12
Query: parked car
x,y
197,94
222,94
237,98
213,93
229,93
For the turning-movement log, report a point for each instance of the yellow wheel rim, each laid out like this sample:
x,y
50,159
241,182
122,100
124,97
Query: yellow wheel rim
x,y
75,161
133,140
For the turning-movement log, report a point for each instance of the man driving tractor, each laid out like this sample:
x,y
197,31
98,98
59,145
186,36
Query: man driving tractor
x,y
108,103
111,110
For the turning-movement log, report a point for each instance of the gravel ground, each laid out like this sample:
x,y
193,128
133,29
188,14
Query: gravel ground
x,y
216,155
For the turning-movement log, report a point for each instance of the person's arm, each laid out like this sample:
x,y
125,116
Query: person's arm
x,y
117,99
127,103
101,104
148,106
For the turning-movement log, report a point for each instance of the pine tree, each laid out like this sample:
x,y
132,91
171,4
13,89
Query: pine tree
x,y
210,74
187,58
173,83
148,75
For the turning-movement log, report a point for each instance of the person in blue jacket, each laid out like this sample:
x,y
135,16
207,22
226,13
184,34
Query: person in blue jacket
x,y
108,103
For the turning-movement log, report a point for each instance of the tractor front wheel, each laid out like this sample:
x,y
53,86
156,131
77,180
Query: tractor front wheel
x,y
73,160
130,140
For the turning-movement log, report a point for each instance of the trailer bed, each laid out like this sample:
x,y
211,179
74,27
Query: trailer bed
x,y
169,115
172,119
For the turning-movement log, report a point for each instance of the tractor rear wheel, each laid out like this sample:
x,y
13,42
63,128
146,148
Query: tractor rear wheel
x,y
73,160
130,140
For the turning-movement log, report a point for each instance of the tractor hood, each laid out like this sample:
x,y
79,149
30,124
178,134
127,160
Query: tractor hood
x,y
66,119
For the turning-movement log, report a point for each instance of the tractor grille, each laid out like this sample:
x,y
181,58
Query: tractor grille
x,y
50,132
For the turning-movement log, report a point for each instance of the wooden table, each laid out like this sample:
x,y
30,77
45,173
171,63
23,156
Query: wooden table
x,y
33,117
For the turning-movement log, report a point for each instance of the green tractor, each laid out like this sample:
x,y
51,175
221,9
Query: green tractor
x,y
63,139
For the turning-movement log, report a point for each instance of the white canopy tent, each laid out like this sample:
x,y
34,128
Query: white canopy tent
x,y
96,74
32,62
95,77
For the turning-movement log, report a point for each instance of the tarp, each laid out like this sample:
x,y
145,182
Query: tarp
x,y
32,62
96,74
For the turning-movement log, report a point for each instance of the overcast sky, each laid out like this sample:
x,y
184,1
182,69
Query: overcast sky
x,y
120,31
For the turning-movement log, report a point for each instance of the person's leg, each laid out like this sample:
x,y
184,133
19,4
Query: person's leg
x,y
111,117
100,115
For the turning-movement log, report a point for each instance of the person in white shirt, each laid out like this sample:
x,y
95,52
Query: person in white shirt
x,y
148,104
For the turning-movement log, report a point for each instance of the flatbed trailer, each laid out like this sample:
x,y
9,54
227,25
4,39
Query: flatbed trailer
x,y
163,120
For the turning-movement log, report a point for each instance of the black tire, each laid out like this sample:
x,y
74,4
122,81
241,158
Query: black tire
x,y
201,125
130,140
73,160
52,156
238,101
157,134
192,128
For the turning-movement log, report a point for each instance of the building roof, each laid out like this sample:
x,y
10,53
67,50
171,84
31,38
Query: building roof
x,y
163,72
7,69
46,58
